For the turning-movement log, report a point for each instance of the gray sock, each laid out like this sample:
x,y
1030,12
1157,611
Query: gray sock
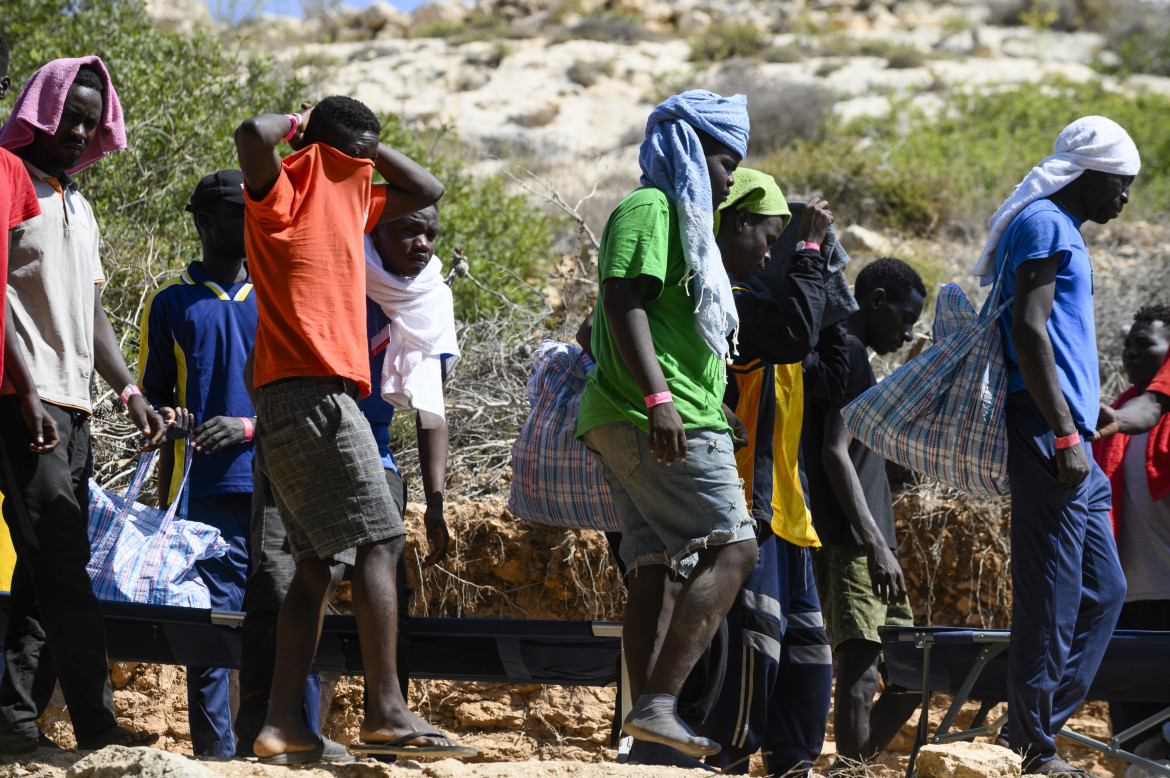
x,y
655,718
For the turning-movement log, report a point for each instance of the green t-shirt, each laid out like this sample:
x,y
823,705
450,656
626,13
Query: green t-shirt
x,y
642,238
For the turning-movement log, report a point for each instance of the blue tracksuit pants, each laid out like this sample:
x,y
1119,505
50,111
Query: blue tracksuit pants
x,y
779,667
1067,584
208,702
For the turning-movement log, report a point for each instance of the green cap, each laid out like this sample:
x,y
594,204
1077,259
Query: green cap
x,y
755,192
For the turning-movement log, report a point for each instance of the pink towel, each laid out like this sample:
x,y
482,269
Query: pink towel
x,y
42,99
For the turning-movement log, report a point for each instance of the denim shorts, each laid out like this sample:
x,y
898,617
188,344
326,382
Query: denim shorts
x,y
668,513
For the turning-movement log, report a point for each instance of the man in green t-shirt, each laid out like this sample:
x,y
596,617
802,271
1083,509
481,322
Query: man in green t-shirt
x,y
652,411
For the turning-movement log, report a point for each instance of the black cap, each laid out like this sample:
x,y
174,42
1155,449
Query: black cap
x,y
221,185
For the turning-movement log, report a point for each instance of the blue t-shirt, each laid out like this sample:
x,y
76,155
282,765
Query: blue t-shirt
x,y
1042,230
195,338
377,411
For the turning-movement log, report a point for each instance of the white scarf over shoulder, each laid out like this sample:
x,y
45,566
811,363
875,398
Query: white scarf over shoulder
x,y
419,338
1089,143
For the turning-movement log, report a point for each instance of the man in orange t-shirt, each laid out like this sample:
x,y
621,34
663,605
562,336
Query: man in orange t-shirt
x,y
305,217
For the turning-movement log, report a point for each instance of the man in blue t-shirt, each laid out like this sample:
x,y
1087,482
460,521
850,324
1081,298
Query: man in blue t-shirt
x,y
196,335
1067,584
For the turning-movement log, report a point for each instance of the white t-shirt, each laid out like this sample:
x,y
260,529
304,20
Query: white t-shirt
x,y
1143,541
53,265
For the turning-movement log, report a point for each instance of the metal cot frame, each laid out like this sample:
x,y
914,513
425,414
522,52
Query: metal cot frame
x,y
972,665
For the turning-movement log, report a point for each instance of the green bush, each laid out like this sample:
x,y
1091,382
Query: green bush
x,y
439,29
921,172
507,241
896,55
611,26
588,73
780,112
1142,52
726,41
183,97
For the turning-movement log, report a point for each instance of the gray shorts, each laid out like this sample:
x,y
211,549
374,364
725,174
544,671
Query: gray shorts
x,y
668,513
319,455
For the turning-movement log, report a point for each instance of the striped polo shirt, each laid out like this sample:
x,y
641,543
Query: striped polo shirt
x,y
195,338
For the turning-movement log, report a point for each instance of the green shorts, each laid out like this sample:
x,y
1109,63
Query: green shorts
x,y
851,609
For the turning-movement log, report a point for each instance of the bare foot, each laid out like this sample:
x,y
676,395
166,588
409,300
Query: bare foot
x,y
274,740
394,729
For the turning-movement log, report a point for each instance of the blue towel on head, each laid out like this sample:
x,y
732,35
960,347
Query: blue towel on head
x,y
672,160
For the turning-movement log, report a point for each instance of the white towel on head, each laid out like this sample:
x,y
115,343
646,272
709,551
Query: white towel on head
x,y
1089,143
420,334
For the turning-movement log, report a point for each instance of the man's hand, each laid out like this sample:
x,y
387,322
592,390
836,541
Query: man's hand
x,y
1072,465
178,422
40,425
739,430
438,538
218,433
297,141
885,574
1107,424
668,439
815,221
146,421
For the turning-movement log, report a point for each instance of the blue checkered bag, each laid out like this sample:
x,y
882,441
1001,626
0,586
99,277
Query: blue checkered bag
x,y
555,479
146,555
941,413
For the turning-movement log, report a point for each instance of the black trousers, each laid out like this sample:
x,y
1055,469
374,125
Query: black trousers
x,y
1139,614
55,626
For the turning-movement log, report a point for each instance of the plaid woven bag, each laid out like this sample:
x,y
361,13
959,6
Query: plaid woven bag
x,y
941,413
146,555
555,479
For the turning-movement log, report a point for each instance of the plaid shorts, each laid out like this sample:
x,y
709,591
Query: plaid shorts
x,y
319,455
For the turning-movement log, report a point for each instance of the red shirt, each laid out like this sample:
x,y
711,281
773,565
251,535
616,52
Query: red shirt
x,y
305,252
1110,453
18,203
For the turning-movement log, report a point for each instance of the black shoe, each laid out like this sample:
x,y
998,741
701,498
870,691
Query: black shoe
x,y
1056,768
14,744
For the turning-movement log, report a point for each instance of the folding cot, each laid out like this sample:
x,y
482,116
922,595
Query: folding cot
x,y
572,653
971,664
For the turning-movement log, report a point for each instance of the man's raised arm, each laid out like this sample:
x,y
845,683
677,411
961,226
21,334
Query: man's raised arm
x,y
256,141
410,186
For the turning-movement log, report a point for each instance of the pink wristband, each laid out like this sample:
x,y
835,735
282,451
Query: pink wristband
x,y
1068,441
814,246
248,429
128,392
296,122
658,399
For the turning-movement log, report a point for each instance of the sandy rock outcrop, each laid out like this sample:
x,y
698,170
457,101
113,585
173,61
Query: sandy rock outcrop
x,y
185,16
967,760
120,762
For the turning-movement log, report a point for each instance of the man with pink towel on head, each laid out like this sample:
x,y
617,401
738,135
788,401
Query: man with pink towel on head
x,y
66,118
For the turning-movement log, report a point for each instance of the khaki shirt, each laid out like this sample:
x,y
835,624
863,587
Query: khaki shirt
x,y
53,266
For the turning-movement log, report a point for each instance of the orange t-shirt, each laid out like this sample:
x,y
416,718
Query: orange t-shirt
x,y
306,256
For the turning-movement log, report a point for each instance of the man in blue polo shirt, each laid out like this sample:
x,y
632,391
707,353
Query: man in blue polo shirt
x,y
196,335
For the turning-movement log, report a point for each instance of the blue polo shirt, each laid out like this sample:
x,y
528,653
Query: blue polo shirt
x,y
378,412
195,338
1042,230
